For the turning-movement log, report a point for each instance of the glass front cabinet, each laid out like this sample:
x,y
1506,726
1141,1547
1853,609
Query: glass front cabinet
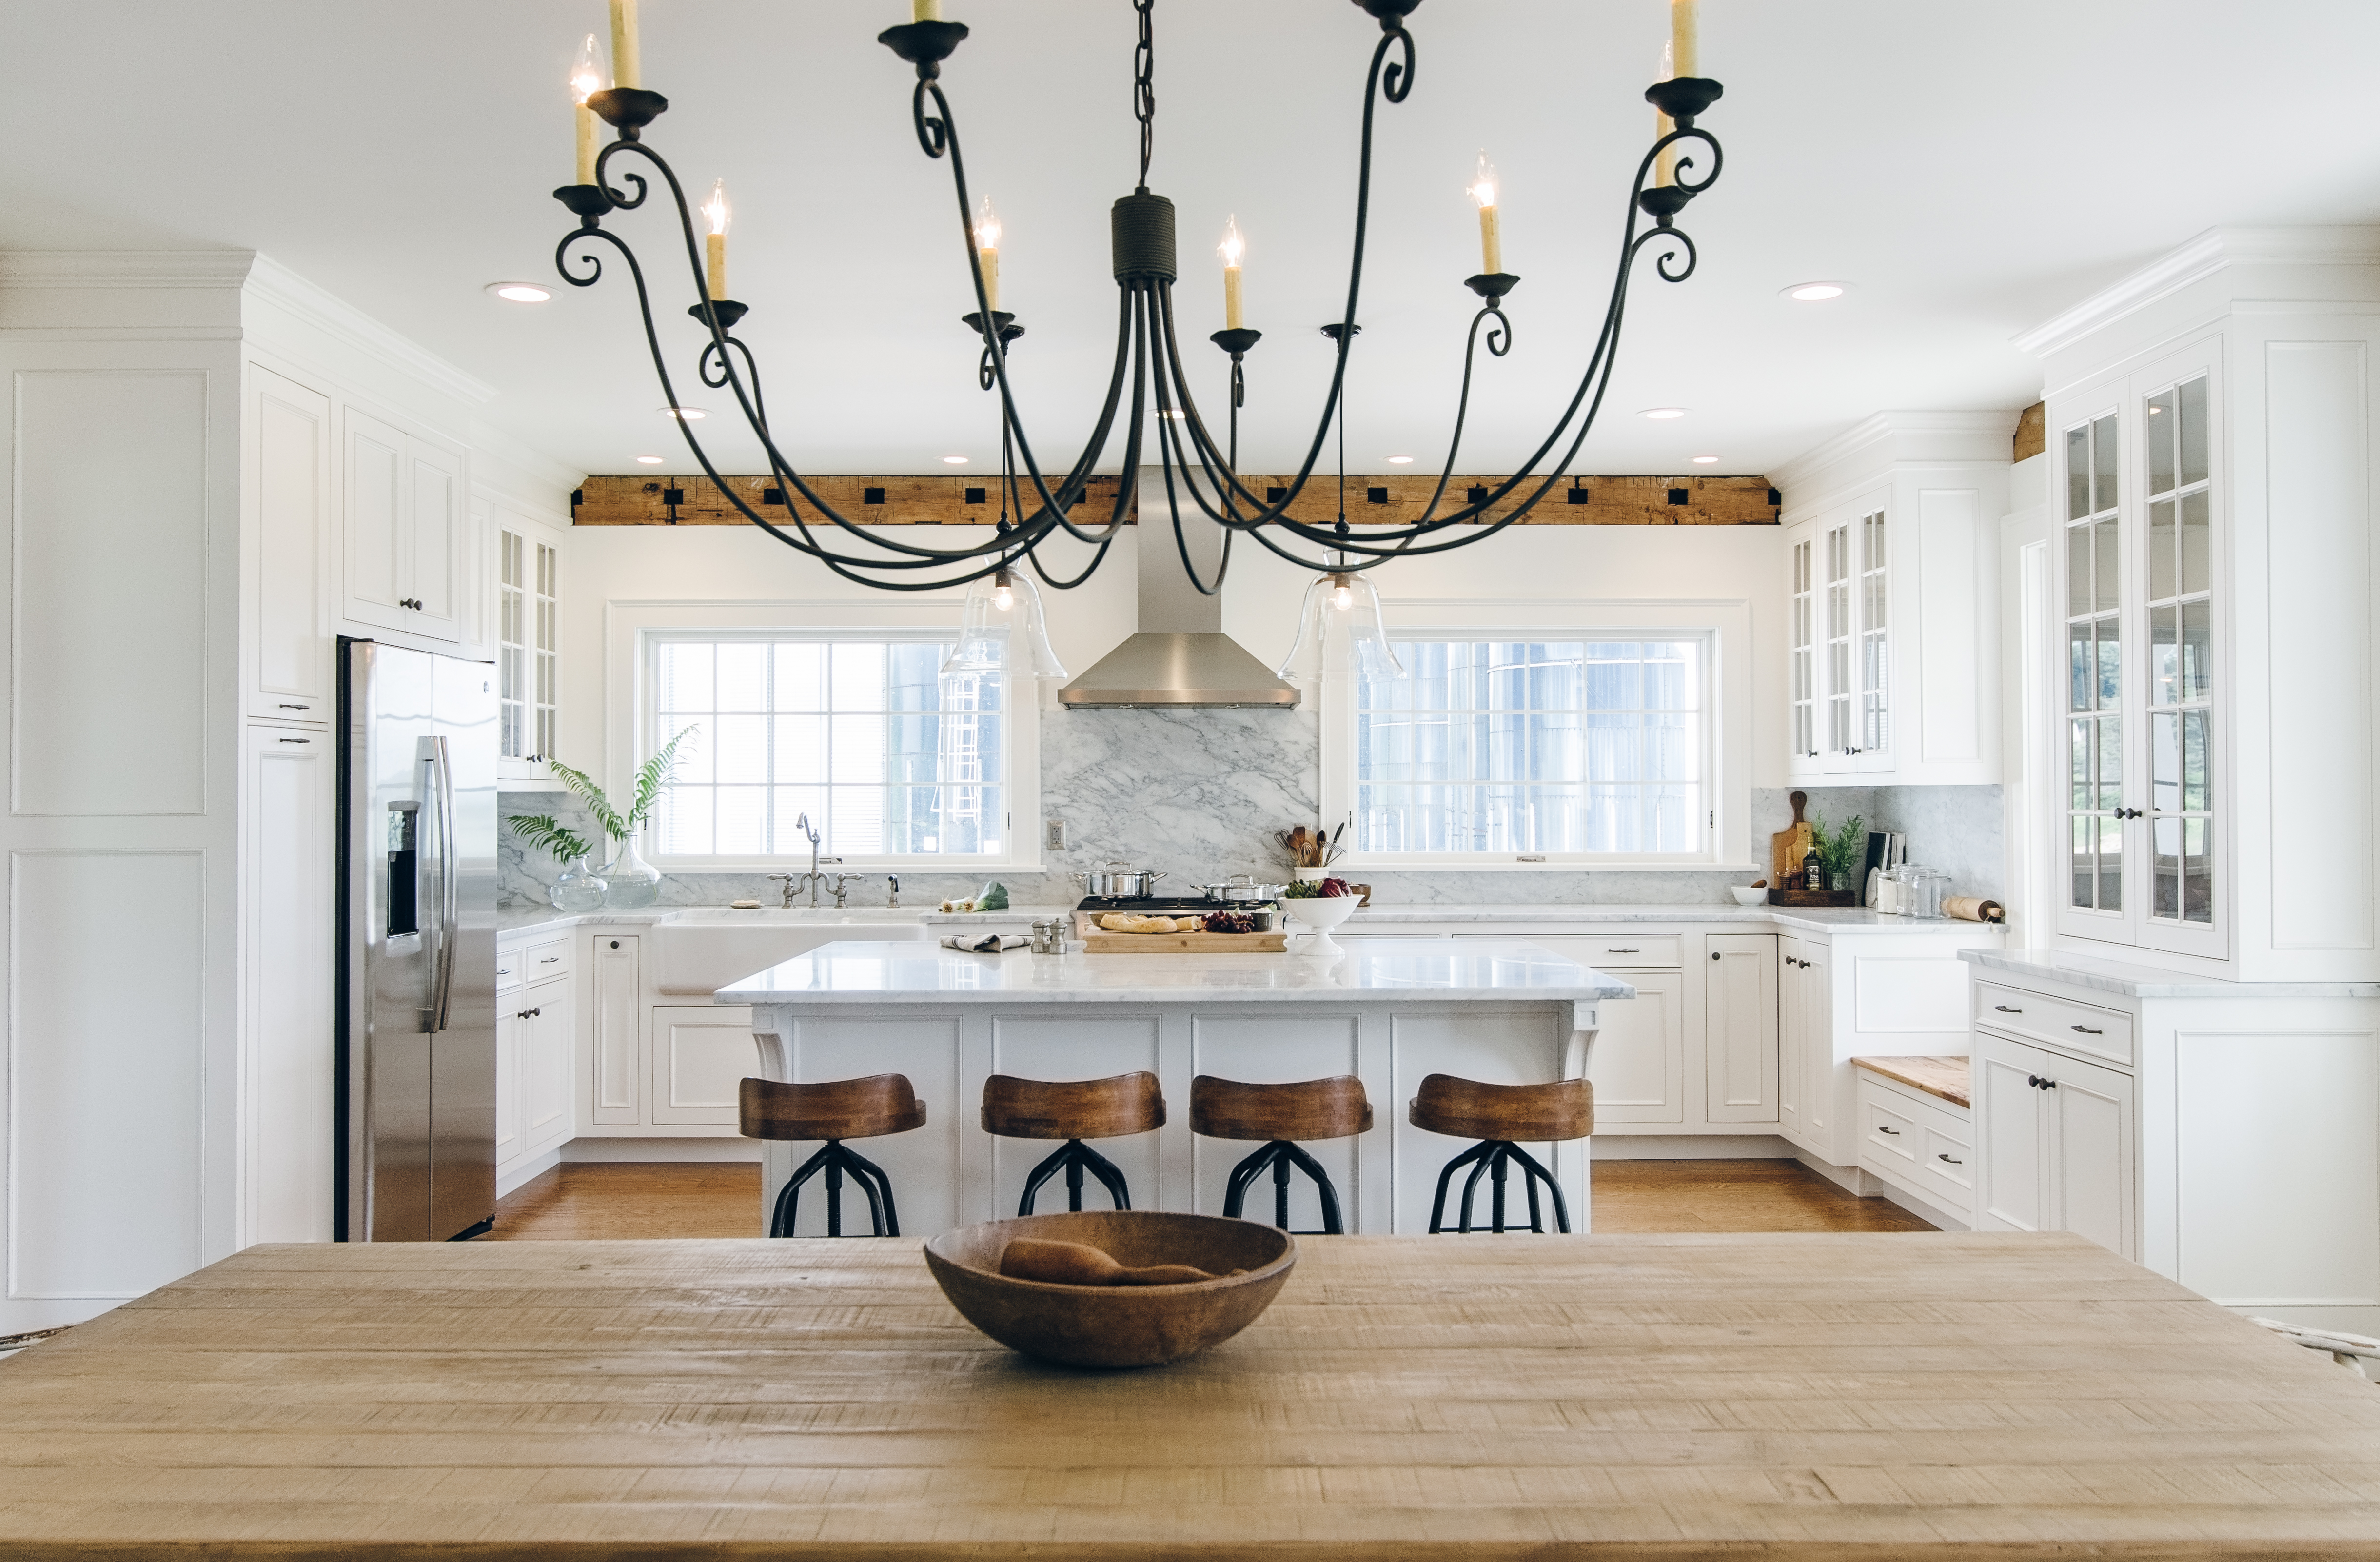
x,y
529,642
1891,602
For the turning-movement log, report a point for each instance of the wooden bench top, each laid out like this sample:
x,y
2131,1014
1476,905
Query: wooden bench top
x,y
1946,1078
1818,1395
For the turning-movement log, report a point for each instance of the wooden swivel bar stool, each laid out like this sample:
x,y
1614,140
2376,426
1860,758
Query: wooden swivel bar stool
x,y
1073,1110
1281,1115
1498,1116
868,1108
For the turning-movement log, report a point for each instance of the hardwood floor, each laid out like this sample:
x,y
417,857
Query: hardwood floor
x,y
637,1199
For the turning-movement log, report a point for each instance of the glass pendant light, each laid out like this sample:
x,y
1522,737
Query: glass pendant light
x,y
1341,609
1004,612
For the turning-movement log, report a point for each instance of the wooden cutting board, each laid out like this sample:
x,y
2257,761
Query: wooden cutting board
x,y
1186,943
1790,845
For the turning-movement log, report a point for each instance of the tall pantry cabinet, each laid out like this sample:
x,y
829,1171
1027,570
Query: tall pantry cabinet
x,y
214,470
2204,722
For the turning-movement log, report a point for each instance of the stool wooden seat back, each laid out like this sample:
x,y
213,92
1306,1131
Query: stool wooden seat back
x,y
1499,1116
1074,1110
1281,1115
834,1111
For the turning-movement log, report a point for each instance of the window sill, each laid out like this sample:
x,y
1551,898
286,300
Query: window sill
x,y
1347,866
960,868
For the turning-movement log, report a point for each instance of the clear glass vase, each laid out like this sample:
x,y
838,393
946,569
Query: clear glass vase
x,y
632,881
577,888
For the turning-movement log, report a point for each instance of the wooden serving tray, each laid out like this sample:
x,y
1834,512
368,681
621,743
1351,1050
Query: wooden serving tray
x,y
1186,943
1813,897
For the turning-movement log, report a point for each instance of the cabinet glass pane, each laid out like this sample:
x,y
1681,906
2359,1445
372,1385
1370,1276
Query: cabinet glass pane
x,y
2084,862
2094,666
2194,570
2111,666
2112,764
2082,666
2104,579
2165,655
2198,872
2079,596
2165,761
2158,431
2102,464
2079,746
2197,649
2078,473
2161,548
2191,396
2111,864
2197,788
2166,898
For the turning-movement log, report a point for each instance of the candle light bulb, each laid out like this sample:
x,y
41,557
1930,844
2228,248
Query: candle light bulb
x,y
587,75
1004,594
1482,183
987,226
1234,246
717,210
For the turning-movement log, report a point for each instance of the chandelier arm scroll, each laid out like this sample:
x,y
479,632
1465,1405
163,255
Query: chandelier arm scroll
x,y
1462,401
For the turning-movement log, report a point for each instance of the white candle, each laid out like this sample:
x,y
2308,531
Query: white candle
x,y
925,10
986,252
715,242
1684,39
1491,240
626,63
1665,167
586,144
1232,249
586,80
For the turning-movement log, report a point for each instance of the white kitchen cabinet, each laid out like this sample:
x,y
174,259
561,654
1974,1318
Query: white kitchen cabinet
x,y
1918,1143
1740,1028
406,532
529,642
1639,1070
286,504
548,1058
1809,992
289,1085
2057,1151
511,1020
615,1019
702,1056
1892,601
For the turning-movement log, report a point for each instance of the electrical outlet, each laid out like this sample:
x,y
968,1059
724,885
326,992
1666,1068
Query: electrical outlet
x,y
1053,834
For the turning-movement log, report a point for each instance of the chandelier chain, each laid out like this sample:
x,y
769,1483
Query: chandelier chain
x,y
1143,87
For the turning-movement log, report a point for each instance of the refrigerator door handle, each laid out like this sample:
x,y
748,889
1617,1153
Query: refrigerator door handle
x,y
442,774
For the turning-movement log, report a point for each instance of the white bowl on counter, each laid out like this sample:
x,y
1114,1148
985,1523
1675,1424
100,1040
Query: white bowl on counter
x,y
1746,896
1321,913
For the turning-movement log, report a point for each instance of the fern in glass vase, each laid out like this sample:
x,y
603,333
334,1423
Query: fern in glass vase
x,y
629,881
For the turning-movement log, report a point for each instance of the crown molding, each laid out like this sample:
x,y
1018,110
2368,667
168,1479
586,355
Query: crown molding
x,y
2215,250
1914,436
126,268
269,280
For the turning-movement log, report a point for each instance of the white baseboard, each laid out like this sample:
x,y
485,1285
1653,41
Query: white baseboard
x,y
738,1149
522,1173
1690,1147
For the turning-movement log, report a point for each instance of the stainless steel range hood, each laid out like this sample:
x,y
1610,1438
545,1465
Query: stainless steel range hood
x,y
1181,655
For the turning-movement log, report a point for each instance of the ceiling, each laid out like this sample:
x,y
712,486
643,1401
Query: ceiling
x,y
1970,168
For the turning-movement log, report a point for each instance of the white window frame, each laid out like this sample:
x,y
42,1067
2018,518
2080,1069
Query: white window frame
x,y
1723,627
631,629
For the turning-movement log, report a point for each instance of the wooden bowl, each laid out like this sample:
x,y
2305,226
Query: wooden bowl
x,y
1116,1325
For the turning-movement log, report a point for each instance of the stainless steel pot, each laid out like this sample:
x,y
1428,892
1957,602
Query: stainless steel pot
x,y
1242,887
1117,881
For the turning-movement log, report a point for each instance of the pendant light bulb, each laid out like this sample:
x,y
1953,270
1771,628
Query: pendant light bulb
x,y
1234,246
1482,188
1003,592
1001,631
987,226
1342,592
587,75
716,209
1340,626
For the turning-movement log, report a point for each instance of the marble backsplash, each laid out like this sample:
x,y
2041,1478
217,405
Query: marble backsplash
x,y
1198,794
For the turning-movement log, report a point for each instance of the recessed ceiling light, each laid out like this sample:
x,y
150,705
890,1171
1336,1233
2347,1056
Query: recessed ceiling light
x,y
1400,460
1705,460
649,460
1658,412
954,460
519,292
1815,292
691,414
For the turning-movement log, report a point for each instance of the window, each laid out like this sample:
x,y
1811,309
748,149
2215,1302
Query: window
x,y
861,734
1568,748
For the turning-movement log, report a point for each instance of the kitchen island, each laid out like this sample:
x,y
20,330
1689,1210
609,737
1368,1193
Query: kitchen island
x,y
1388,1011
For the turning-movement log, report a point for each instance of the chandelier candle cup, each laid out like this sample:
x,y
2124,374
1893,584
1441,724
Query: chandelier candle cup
x,y
627,60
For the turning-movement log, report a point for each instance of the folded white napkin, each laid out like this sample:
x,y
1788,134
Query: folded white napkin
x,y
984,942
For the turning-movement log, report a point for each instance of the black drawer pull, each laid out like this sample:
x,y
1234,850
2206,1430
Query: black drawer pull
x,y
548,960
285,705
1946,1155
2003,1008
1881,1129
295,739
2086,1030
1623,951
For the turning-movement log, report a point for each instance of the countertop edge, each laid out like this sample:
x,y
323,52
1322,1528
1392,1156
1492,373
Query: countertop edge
x,y
2122,980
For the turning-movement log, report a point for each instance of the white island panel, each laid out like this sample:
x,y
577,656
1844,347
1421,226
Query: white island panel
x,y
1388,1011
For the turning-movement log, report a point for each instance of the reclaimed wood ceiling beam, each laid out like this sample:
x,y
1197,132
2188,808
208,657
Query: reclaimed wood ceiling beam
x,y
895,499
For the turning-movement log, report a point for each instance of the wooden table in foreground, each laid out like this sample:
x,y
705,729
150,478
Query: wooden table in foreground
x,y
1407,1398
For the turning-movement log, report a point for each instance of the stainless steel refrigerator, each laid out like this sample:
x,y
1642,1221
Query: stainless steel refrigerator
x,y
417,945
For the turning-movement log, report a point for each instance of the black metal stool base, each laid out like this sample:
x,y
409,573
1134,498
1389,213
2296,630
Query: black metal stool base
x,y
1076,1157
1282,1155
834,1159
1495,1156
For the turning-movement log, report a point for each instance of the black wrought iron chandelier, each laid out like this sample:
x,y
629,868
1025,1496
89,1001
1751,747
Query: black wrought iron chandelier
x,y
1199,473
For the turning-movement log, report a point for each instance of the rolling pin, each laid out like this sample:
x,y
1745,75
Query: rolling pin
x,y
1973,908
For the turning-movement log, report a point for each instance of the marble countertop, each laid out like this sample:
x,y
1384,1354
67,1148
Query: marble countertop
x,y
2148,982
1947,1078
1486,969
522,923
